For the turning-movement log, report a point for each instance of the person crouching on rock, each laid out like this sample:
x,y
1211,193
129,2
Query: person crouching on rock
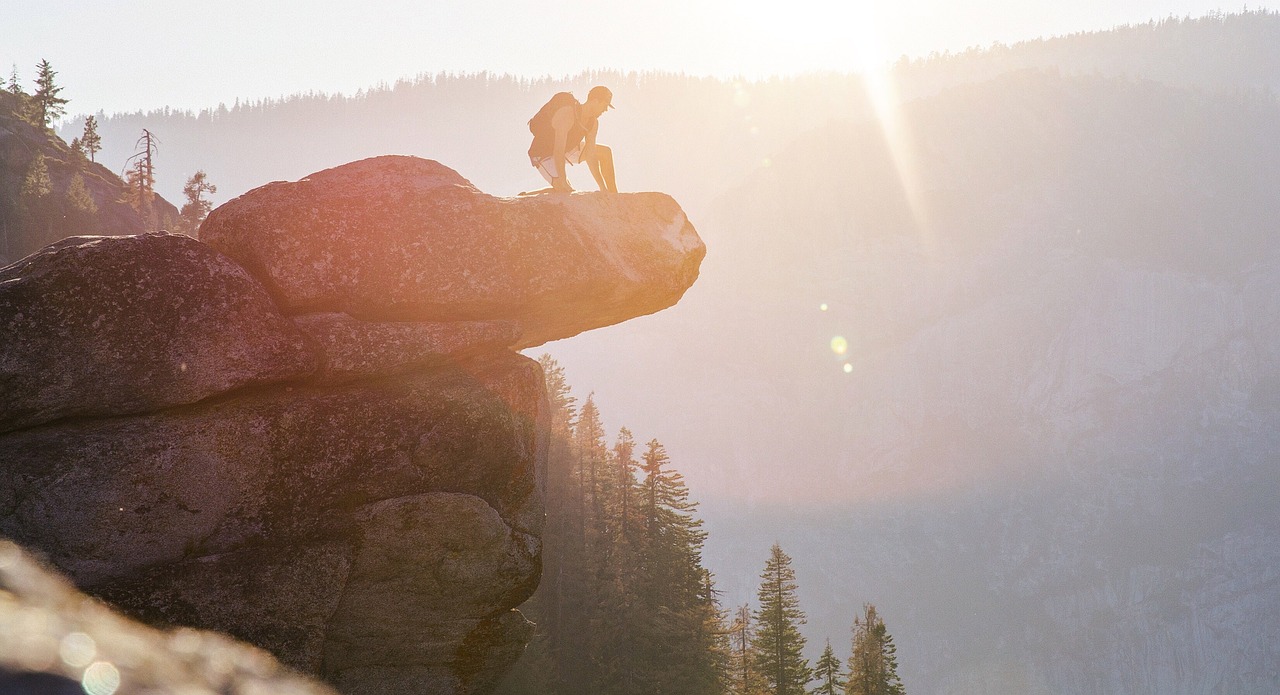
x,y
564,132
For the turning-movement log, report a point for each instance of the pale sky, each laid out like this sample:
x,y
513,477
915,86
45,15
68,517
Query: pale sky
x,y
128,55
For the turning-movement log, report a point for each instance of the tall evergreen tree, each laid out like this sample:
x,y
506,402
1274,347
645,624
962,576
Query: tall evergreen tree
x,y
777,646
624,467
625,606
675,591
78,197
873,666
741,677
36,185
37,199
196,208
827,673
90,140
140,180
47,102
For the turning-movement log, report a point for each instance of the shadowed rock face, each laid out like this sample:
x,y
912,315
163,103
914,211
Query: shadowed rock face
x,y
403,238
331,451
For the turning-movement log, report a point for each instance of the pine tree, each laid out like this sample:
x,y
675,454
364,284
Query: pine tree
x,y
624,466
625,606
873,665
683,627
22,101
741,677
140,180
91,141
79,198
827,673
36,185
777,646
589,438
37,200
196,208
47,102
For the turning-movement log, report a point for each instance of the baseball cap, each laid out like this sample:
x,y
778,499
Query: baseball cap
x,y
601,93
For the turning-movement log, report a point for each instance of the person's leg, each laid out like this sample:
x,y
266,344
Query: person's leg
x,y
602,169
544,166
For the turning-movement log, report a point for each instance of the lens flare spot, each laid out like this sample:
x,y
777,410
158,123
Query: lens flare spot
x,y
848,368
77,650
822,306
839,345
101,678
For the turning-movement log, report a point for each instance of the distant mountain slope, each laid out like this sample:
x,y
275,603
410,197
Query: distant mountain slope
x,y
25,225
1059,424
689,136
1217,52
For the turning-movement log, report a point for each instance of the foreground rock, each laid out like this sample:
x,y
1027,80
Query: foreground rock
x,y
54,640
403,238
351,482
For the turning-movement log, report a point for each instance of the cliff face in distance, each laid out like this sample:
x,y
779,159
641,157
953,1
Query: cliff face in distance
x,y
304,434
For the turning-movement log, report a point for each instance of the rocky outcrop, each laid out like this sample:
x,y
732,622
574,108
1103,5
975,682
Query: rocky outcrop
x,y
403,238
351,487
122,325
55,640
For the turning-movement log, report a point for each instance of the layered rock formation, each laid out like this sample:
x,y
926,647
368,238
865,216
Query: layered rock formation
x,y
312,433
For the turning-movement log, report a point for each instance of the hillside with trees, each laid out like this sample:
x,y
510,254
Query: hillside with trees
x,y
626,605
50,189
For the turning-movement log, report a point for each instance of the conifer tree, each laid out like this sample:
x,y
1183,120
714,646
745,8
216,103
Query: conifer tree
x,y
741,677
48,104
625,606
624,466
36,196
140,180
827,673
90,140
196,208
873,665
589,439
684,625
15,86
78,196
777,647
36,184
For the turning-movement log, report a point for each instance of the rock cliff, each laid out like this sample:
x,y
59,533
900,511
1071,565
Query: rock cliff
x,y
312,432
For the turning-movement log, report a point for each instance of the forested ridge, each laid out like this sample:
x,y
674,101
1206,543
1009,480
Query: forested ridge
x,y
687,135
626,605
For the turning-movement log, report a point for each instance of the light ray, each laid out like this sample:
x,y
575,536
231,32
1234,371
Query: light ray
x,y
886,105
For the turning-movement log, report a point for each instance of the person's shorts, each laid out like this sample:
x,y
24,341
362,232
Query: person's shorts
x,y
547,165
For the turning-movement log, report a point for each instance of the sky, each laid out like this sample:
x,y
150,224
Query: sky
x,y
130,55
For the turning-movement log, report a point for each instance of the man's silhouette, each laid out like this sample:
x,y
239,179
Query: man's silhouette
x,y
564,132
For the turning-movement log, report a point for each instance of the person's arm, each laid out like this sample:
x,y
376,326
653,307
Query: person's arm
x,y
561,122
589,147
589,156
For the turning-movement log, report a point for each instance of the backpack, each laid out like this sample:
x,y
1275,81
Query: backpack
x,y
541,121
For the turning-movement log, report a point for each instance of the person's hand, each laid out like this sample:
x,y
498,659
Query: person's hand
x,y
561,183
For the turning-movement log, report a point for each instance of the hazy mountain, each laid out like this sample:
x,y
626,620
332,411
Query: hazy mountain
x,y
1054,271
1052,461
